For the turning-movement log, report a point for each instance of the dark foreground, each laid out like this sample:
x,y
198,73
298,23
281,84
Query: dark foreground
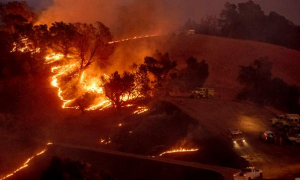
x,y
120,167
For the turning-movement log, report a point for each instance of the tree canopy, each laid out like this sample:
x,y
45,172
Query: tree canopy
x,y
261,88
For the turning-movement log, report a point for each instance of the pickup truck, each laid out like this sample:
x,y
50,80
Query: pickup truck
x,y
248,174
294,139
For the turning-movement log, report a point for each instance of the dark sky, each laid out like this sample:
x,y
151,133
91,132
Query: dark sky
x,y
195,9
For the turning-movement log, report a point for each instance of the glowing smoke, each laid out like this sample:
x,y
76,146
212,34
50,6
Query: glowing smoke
x,y
124,17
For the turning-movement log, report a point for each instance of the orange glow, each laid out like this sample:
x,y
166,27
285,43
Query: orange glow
x,y
26,48
180,150
128,39
83,81
105,141
140,110
51,58
25,164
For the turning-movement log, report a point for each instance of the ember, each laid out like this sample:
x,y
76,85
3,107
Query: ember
x,y
105,141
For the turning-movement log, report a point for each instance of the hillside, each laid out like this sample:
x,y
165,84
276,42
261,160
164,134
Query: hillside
x,y
223,55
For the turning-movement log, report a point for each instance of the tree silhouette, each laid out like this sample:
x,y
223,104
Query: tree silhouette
x,y
159,66
261,88
195,73
117,87
91,43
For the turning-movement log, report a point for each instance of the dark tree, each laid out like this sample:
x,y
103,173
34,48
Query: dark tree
x,y
256,79
61,169
261,88
230,21
208,26
63,37
142,80
118,87
159,66
195,73
92,43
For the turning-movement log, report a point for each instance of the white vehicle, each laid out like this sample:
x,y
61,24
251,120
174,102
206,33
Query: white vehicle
x,y
248,174
294,139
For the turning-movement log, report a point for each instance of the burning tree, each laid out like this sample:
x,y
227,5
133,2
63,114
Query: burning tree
x,y
92,43
118,88
159,66
62,37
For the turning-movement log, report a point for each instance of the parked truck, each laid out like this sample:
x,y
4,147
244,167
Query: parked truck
x,y
286,121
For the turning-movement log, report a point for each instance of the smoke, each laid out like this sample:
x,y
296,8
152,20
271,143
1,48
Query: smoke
x,y
125,18
128,18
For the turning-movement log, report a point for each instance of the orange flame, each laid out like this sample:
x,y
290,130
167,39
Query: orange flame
x,y
140,110
180,150
27,47
128,39
87,83
25,164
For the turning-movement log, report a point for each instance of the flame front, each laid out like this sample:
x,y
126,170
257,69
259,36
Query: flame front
x,y
26,163
83,81
180,150
140,110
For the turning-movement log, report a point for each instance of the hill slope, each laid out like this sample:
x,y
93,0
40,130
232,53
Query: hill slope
x,y
223,55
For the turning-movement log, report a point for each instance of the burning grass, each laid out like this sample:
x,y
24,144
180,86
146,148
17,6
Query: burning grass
x,y
152,132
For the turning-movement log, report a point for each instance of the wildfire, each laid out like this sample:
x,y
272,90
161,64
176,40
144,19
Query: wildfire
x,y
25,47
53,57
129,39
180,150
60,71
25,164
88,83
140,110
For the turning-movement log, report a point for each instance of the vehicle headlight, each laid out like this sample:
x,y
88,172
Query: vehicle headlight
x,y
244,140
234,141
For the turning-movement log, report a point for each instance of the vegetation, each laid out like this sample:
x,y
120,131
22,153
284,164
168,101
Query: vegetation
x,y
248,21
61,169
261,88
117,88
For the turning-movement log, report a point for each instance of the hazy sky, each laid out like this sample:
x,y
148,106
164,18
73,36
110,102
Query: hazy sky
x,y
195,9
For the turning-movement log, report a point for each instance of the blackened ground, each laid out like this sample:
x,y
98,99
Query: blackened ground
x,y
123,168
166,127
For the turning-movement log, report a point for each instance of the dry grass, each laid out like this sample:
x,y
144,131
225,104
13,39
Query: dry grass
x,y
223,55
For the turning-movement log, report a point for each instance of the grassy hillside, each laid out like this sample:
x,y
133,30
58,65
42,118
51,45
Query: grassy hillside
x,y
223,55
